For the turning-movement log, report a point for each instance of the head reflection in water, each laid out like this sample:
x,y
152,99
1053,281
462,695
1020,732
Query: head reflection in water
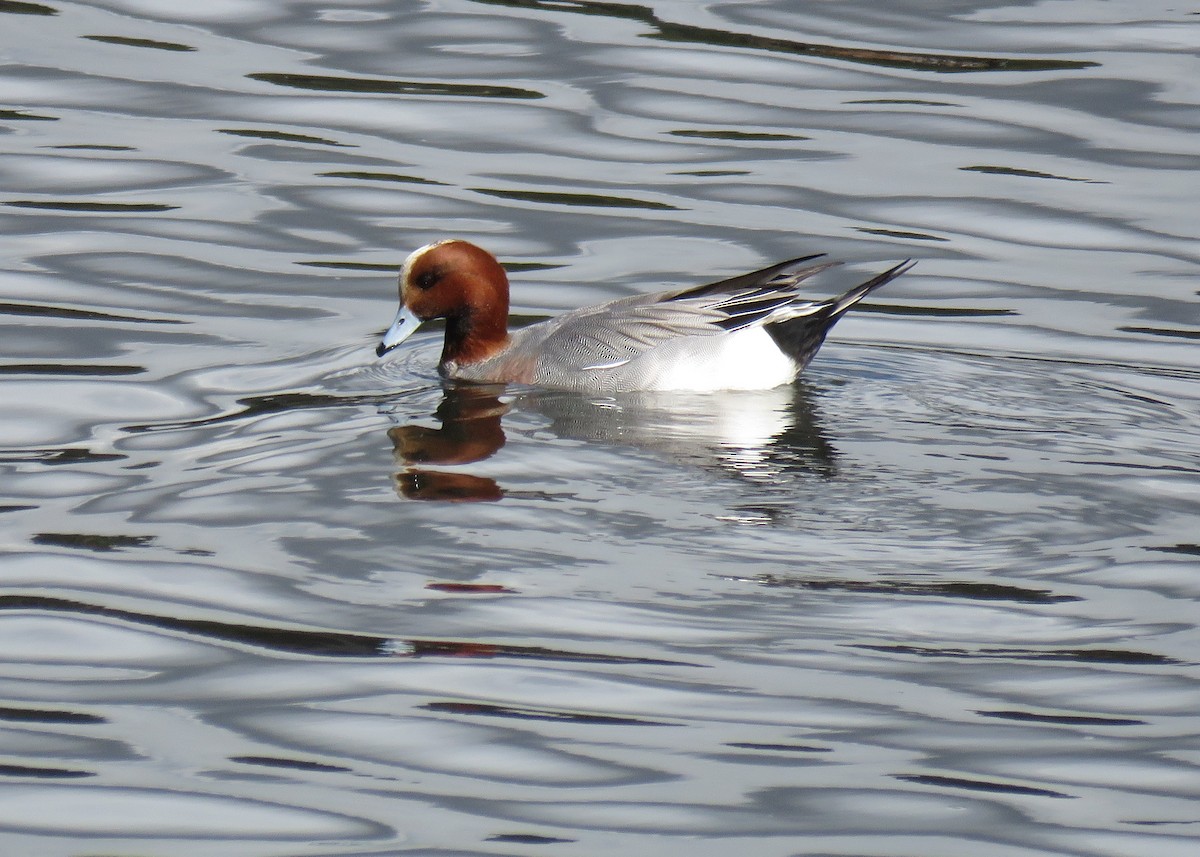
x,y
470,432
417,484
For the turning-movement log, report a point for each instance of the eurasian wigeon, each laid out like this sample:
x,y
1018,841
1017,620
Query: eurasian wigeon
x,y
750,332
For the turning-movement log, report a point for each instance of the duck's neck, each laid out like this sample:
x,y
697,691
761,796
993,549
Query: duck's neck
x,y
475,336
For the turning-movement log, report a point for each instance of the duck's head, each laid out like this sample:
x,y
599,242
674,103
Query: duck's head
x,y
461,283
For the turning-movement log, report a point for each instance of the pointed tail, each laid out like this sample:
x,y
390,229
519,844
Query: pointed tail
x,y
856,294
800,337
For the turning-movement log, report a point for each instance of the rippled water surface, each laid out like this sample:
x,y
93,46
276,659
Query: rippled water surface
x,y
261,594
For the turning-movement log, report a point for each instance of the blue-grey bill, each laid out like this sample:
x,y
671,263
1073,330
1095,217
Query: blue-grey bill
x,y
404,326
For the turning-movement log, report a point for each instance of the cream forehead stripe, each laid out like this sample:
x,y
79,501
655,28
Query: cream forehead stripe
x,y
406,269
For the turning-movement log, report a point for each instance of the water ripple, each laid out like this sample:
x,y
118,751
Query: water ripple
x,y
262,589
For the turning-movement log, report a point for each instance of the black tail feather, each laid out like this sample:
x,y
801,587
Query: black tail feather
x,y
752,280
799,338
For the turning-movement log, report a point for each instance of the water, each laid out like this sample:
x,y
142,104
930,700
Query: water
x,y
262,595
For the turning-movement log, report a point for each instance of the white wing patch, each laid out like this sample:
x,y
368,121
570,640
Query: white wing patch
x,y
599,366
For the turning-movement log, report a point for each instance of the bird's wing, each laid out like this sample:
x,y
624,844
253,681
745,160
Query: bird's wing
x,y
612,334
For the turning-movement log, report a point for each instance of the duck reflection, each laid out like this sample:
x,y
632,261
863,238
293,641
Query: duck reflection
x,y
470,432
417,484
769,436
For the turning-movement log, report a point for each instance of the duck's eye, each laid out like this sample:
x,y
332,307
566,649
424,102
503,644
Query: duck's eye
x,y
427,279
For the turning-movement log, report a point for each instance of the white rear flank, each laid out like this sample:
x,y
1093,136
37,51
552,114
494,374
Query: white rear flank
x,y
747,359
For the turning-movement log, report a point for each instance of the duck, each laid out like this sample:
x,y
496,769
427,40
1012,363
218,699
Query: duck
x,y
749,332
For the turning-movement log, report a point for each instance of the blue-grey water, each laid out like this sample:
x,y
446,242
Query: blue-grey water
x,y
263,595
